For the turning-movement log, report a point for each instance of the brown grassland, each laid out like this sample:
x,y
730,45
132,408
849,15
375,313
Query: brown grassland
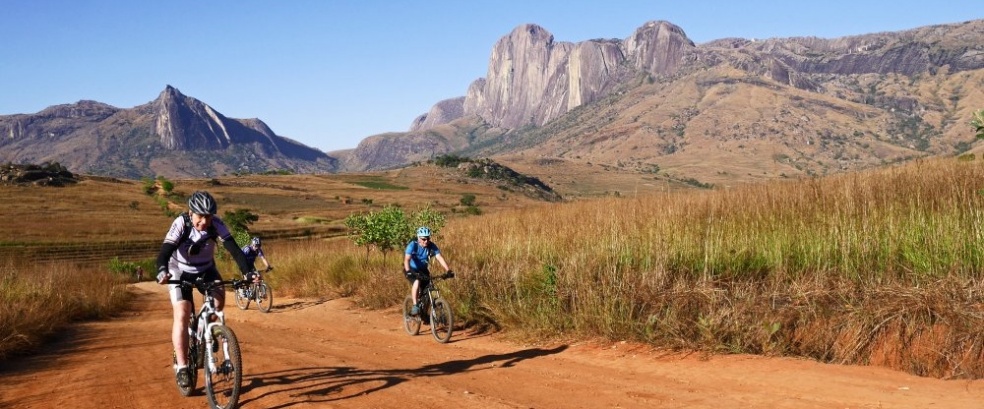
x,y
881,267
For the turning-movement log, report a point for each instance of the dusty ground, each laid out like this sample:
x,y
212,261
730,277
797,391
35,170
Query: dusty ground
x,y
328,354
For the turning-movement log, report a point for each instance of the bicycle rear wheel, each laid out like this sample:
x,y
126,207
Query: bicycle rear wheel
x,y
264,297
223,369
411,323
242,301
441,321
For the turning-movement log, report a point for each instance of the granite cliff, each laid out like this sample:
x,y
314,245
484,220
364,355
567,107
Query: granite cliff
x,y
910,86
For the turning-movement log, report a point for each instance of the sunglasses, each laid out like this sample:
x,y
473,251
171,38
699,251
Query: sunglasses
x,y
424,238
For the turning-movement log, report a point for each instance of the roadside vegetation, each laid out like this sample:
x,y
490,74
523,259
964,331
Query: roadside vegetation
x,y
39,300
873,268
881,268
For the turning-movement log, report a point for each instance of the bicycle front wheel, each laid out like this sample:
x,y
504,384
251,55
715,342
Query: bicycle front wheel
x,y
264,297
410,323
441,321
223,369
242,301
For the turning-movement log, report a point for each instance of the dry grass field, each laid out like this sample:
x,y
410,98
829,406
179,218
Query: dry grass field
x,y
104,210
879,267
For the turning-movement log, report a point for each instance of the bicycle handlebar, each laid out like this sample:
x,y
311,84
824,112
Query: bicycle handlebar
x,y
204,285
445,276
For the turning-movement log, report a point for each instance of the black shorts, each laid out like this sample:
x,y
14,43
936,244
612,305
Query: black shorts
x,y
422,274
179,293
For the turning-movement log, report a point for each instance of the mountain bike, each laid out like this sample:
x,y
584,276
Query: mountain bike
x,y
252,291
212,347
432,308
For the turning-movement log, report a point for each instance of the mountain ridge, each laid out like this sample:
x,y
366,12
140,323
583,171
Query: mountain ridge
x,y
723,111
902,94
173,135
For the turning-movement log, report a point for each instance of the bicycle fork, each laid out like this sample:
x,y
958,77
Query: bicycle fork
x,y
210,342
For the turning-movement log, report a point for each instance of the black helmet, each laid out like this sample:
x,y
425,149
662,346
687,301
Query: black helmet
x,y
202,203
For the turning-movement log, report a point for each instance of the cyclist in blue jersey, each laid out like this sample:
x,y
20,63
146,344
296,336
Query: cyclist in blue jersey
x,y
415,263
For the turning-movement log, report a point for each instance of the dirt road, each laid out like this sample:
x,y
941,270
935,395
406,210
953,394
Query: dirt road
x,y
329,354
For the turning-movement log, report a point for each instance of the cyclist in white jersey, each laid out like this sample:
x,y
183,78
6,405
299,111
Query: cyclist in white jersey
x,y
188,253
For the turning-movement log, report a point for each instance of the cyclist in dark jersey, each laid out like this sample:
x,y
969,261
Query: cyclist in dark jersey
x,y
188,253
252,251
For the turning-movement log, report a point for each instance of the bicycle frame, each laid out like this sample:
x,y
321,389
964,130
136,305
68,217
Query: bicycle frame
x,y
428,294
435,310
203,322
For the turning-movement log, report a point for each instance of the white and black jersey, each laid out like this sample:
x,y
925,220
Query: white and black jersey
x,y
196,253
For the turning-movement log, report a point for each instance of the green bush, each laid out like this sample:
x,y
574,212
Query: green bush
x,y
390,228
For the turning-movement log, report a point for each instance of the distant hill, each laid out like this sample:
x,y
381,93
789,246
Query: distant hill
x,y
174,136
726,111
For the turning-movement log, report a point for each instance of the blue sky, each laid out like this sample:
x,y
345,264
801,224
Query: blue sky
x,y
330,73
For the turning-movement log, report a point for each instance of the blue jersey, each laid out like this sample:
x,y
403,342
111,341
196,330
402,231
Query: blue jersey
x,y
420,255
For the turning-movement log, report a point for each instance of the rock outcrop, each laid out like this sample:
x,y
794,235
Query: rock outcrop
x,y
47,174
532,79
441,113
187,124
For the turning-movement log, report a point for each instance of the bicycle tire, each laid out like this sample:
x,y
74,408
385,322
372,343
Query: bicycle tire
x,y
241,301
264,297
442,322
222,385
410,323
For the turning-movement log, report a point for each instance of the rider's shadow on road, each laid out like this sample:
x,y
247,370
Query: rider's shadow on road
x,y
464,365
328,384
299,305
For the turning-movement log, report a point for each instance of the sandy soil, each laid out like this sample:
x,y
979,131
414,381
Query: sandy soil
x,y
330,354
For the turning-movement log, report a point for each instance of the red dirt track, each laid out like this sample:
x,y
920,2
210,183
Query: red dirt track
x,y
330,354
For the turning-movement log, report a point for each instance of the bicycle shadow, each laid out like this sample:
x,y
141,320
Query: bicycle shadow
x,y
332,384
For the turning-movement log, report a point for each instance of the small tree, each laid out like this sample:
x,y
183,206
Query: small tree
x,y
978,123
166,185
238,222
148,185
390,228
434,220
383,229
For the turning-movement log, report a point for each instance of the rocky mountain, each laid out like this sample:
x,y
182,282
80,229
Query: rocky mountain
x,y
173,135
729,109
724,111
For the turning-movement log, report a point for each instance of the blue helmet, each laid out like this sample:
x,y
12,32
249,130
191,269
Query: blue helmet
x,y
423,232
255,242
